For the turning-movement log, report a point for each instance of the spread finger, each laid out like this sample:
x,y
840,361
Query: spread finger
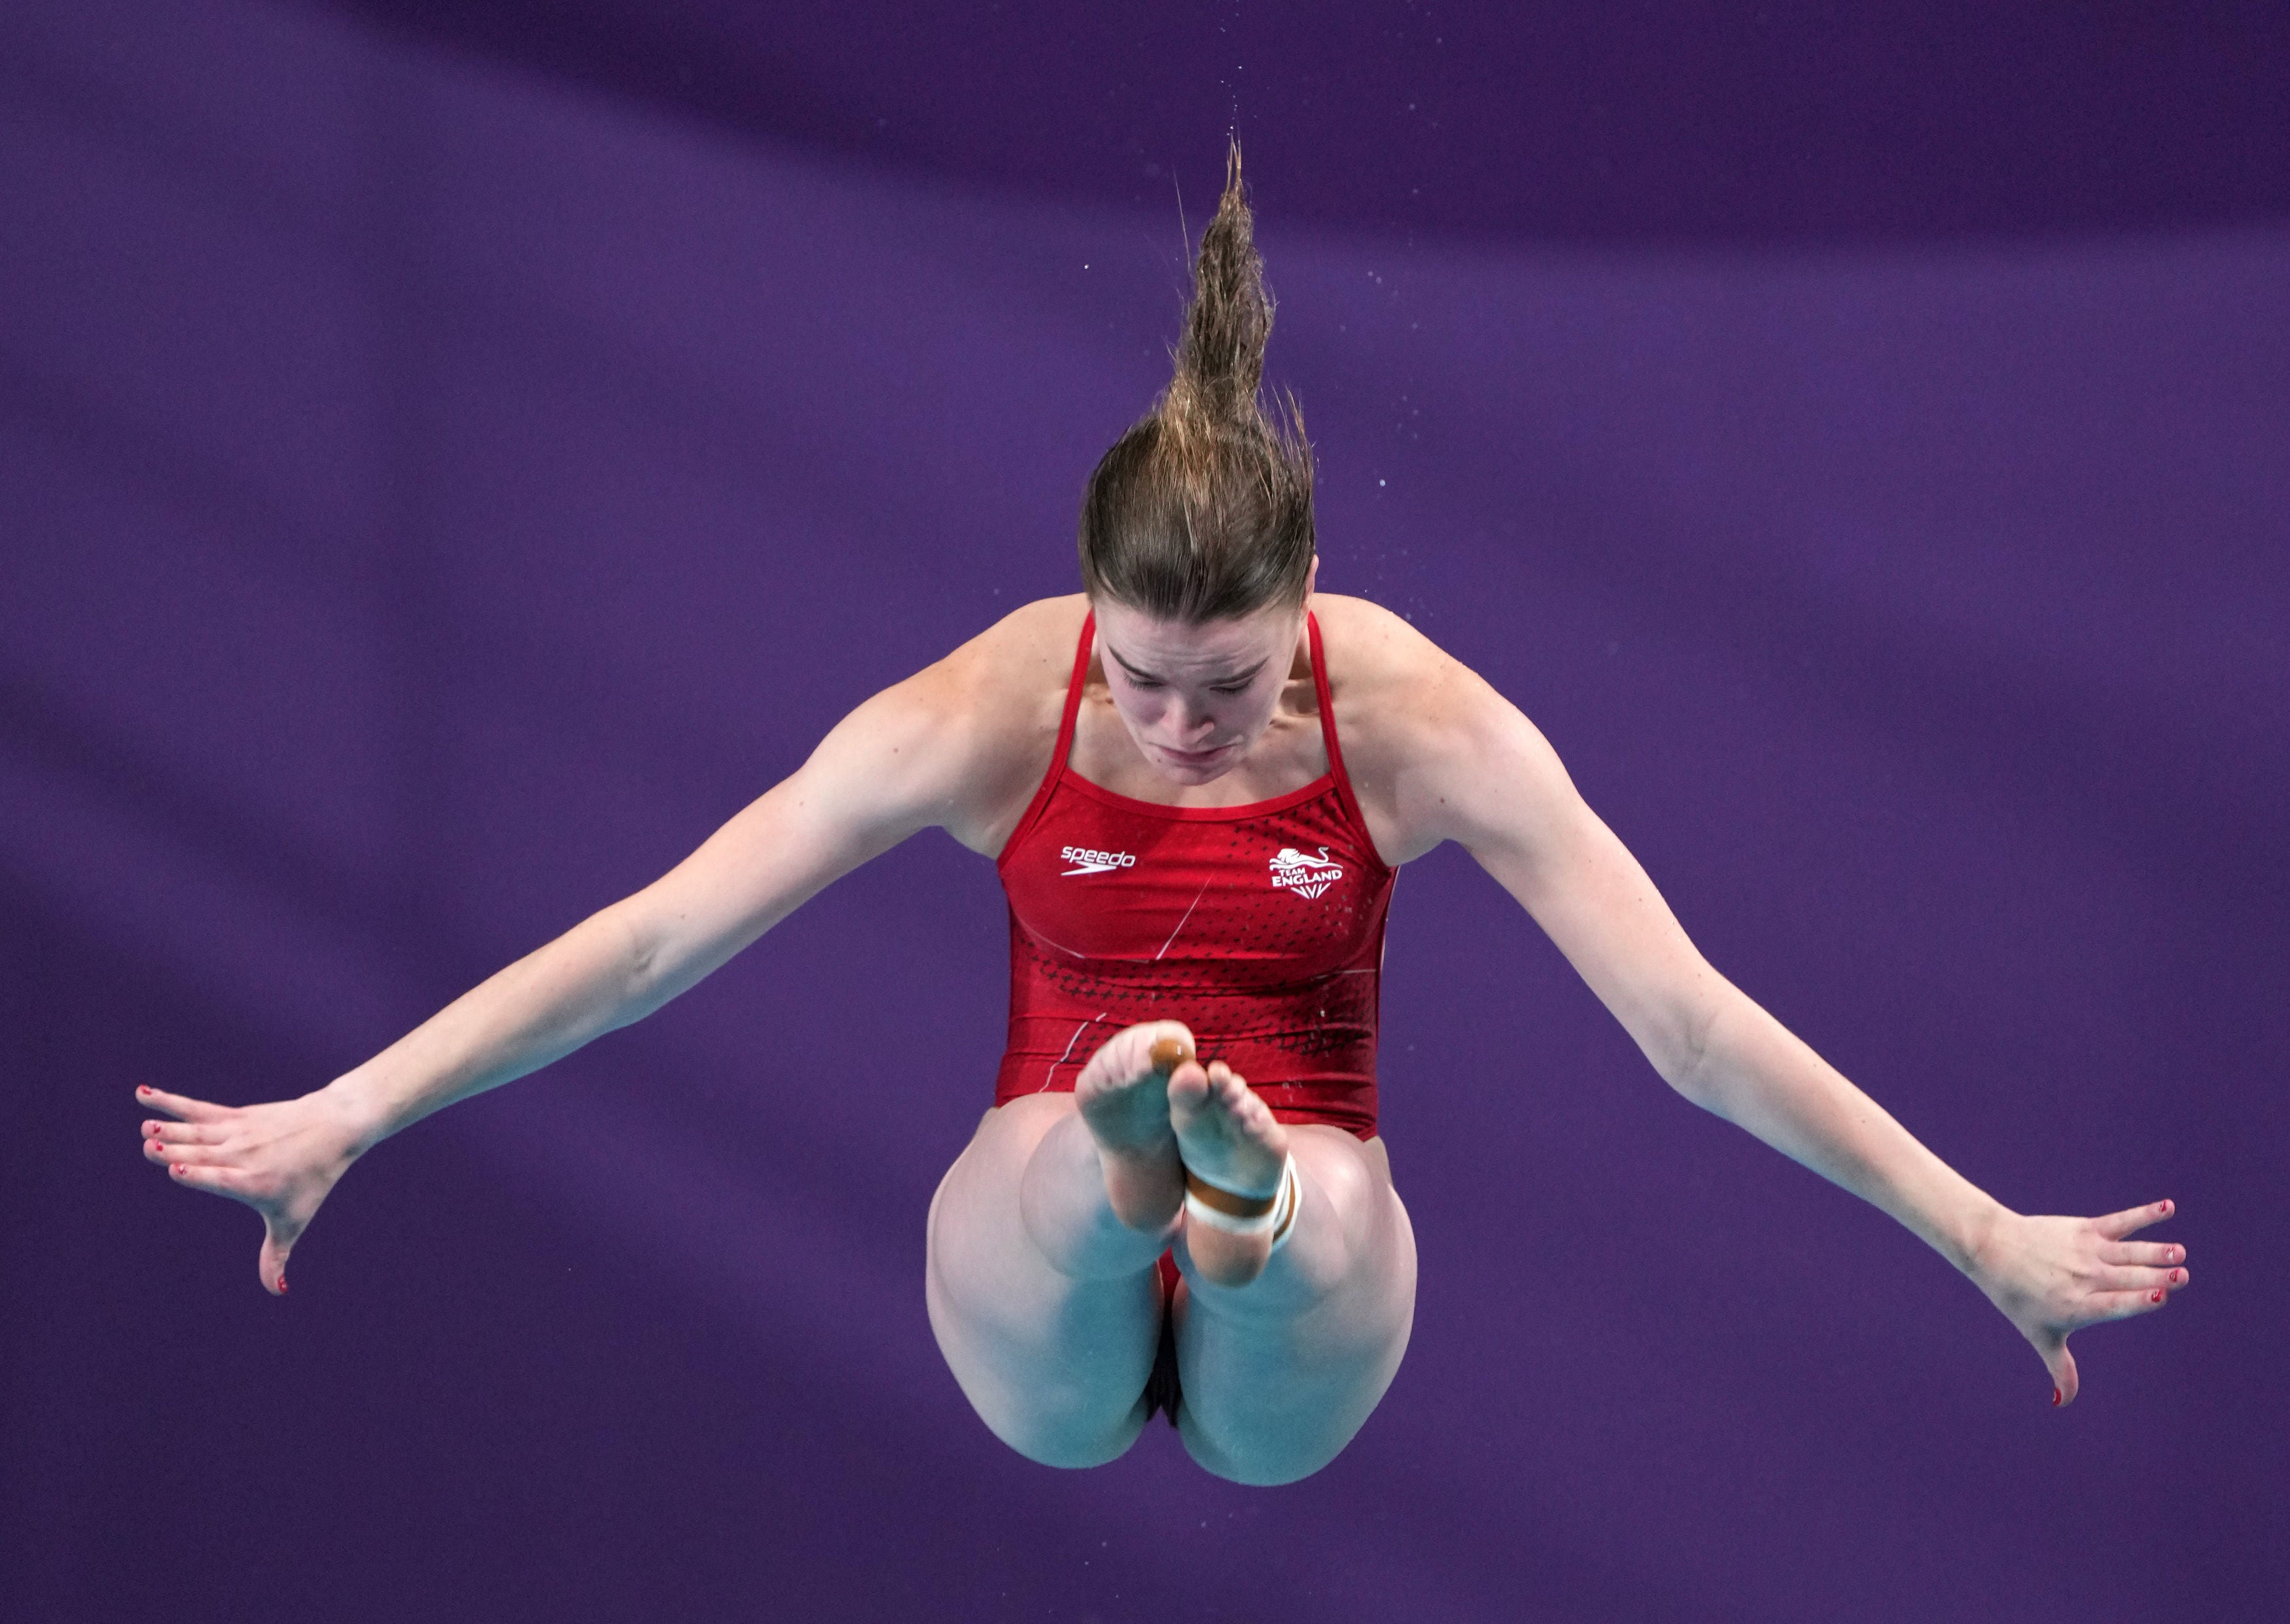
x,y
220,1181
2120,1305
179,1105
2114,1225
2137,1279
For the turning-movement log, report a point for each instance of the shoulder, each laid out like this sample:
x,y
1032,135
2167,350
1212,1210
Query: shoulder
x,y
1010,679
1420,730
1388,680
1374,643
1032,646
989,711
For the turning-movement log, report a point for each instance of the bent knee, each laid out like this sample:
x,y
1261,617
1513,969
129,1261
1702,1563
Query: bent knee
x,y
1350,1241
1269,1474
1260,1464
1070,1441
1347,1192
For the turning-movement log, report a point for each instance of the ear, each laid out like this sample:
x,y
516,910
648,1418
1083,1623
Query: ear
x,y
1311,576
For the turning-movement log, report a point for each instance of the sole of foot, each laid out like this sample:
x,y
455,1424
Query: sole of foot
x,y
1123,1098
1228,1137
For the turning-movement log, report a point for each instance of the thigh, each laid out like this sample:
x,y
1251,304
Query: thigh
x,y
1278,1374
1054,1366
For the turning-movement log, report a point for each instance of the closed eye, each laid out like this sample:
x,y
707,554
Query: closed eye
x,y
1151,685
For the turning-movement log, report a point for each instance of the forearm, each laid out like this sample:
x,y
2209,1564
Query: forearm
x,y
621,963
1760,1077
584,984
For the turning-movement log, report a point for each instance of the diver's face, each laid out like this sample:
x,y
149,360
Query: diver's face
x,y
1195,698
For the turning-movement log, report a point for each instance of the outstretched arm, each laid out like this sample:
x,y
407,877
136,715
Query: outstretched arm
x,y
908,758
1482,775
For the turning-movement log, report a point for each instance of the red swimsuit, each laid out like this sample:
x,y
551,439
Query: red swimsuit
x,y
1261,927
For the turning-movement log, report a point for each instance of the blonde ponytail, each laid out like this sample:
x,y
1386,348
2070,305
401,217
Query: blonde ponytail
x,y
1204,508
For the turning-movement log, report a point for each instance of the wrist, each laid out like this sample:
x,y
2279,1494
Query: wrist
x,y
357,1107
1981,1238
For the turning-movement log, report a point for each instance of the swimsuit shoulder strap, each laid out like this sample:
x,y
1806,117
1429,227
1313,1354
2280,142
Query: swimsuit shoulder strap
x,y
1064,747
1328,730
1073,695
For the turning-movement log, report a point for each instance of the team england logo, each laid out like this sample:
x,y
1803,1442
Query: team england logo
x,y
1307,877
1086,861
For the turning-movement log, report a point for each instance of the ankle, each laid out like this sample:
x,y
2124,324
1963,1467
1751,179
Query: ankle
x,y
1233,1213
1233,1237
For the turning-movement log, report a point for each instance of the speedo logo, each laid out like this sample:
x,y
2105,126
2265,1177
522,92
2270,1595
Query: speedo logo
x,y
1086,861
1307,877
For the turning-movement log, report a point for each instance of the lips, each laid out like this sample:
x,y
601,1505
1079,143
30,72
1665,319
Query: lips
x,y
1192,758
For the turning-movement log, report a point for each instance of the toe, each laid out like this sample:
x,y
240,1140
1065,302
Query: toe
x,y
1171,1048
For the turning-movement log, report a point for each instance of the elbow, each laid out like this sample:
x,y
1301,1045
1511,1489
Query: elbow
x,y
638,955
1682,1067
1686,1063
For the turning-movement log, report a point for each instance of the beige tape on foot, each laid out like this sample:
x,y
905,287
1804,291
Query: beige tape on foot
x,y
1234,1214
1168,1053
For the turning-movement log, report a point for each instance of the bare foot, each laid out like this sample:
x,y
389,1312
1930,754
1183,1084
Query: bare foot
x,y
1123,1097
1228,1139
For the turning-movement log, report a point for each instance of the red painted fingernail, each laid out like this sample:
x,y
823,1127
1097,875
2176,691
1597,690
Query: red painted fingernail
x,y
2175,1276
143,1088
2055,1398
2158,1297
282,1285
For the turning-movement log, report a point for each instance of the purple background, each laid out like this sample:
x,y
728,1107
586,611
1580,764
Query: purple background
x,y
452,457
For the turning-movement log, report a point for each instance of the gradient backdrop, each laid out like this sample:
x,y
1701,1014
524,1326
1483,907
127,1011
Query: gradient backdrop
x,y
453,456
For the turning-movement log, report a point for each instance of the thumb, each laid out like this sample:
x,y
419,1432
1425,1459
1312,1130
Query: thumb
x,y
271,1263
2062,1363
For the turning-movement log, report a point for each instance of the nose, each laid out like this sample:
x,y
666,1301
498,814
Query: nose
x,y
1194,721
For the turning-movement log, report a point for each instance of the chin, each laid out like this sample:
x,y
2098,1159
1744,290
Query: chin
x,y
1197,772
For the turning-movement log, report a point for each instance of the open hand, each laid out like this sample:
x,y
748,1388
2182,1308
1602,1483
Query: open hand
x,y
2052,1276
281,1159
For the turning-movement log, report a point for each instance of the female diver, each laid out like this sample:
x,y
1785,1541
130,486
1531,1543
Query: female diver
x,y
1197,778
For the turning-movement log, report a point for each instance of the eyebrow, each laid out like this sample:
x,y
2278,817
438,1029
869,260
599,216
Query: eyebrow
x,y
1240,678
